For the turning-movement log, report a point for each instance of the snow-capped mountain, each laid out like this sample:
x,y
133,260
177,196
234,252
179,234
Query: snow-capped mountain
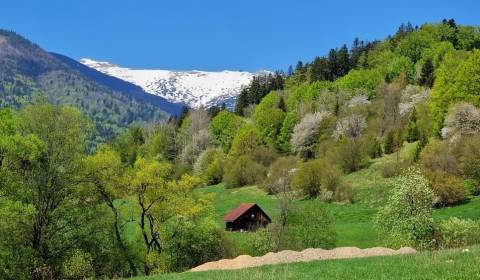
x,y
192,88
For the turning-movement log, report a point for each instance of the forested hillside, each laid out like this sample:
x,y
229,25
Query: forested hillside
x,y
27,73
373,145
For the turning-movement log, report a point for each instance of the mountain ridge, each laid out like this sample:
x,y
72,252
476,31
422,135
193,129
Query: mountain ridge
x,y
194,88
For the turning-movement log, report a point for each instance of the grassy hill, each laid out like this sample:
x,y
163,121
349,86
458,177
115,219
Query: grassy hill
x,y
448,264
353,222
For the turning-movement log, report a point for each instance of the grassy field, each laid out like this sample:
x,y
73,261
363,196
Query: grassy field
x,y
353,222
449,264
354,227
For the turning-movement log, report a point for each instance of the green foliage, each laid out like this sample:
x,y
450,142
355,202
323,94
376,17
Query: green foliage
x,y
280,175
78,266
246,141
414,44
224,127
427,74
406,219
283,140
243,171
457,232
470,159
268,117
400,66
319,178
360,81
188,243
412,128
310,226
162,144
457,79
351,154
209,166
259,87
448,189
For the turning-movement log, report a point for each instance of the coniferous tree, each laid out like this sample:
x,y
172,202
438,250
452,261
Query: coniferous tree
x,y
426,76
412,130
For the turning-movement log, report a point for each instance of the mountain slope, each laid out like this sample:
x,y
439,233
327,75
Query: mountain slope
x,y
193,88
27,72
121,85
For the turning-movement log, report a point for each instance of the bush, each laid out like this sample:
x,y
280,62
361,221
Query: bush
x,y
78,266
406,219
472,187
187,244
352,154
448,189
321,178
280,175
261,242
392,169
310,226
264,155
209,166
436,156
470,159
393,141
245,142
456,232
243,171
214,172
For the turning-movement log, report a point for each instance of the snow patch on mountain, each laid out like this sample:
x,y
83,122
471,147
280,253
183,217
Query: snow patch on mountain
x,y
193,88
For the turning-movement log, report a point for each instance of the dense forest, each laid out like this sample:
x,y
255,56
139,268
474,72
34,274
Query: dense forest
x,y
132,206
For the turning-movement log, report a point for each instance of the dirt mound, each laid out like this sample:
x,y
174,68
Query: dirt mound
x,y
306,255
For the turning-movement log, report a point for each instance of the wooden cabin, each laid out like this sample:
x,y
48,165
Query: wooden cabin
x,y
246,217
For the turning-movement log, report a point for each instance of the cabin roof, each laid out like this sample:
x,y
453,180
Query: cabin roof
x,y
240,210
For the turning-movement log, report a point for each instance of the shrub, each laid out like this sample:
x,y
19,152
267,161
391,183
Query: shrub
x,y
78,266
352,154
436,156
392,169
264,155
209,166
214,172
204,160
309,226
187,244
280,175
472,187
448,189
470,159
320,177
261,242
406,219
456,232
243,171
374,146
393,141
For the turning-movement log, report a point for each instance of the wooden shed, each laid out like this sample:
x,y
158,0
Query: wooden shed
x,y
246,217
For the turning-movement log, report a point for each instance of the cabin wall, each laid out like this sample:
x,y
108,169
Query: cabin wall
x,y
251,220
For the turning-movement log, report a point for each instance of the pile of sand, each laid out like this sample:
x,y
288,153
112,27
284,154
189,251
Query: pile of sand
x,y
306,255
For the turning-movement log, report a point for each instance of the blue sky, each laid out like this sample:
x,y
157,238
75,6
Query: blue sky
x,y
213,34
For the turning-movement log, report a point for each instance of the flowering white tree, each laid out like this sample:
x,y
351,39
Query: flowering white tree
x,y
462,119
352,126
306,131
